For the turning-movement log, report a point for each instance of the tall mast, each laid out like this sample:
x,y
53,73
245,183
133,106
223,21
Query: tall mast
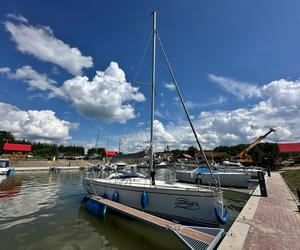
x,y
152,172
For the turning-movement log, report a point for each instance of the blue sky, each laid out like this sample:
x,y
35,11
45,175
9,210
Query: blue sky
x,y
236,62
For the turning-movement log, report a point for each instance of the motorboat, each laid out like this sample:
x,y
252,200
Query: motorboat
x,y
230,166
5,168
201,175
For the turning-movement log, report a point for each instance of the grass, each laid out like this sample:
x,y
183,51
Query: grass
x,y
292,178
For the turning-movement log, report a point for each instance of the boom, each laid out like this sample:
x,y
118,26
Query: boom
x,y
242,155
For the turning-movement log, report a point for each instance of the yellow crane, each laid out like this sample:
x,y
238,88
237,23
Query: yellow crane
x,y
242,157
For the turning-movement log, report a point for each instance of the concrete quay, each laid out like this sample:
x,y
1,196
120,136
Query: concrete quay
x,y
22,169
271,222
44,165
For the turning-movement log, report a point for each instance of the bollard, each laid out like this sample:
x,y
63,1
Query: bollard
x,y
262,184
268,171
298,193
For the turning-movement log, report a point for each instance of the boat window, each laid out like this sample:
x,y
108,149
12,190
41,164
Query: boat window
x,y
3,164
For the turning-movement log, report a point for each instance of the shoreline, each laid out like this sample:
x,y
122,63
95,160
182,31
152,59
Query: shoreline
x,y
47,163
272,221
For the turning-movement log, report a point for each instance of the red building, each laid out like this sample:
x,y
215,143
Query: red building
x,y
110,153
289,147
16,150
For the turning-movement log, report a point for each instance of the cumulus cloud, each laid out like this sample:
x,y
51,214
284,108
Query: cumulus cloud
x,y
36,125
40,42
282,93
161,134
279,109
33,78
5,70
240,89
140,139
106,97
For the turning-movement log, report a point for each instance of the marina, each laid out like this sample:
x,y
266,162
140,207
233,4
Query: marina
x,y
56,200
51,194
145,125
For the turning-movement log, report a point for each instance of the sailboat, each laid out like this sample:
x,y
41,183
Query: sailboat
x,y
178,202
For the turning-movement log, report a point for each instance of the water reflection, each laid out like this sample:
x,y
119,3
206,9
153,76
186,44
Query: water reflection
x,y
45,211
126,233
22,197
9,187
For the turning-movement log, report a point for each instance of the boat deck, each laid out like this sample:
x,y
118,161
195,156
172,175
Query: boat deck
x,y
142,182
194,237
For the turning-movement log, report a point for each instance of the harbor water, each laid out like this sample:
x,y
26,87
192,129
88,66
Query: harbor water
x,y
46,211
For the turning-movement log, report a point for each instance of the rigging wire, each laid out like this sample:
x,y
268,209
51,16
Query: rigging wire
x,y
142,59
185,109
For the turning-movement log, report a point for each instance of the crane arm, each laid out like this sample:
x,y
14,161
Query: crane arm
x,y
253,144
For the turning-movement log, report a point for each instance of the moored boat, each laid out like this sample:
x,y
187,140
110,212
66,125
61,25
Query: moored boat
x,y
5,168
171,200
201,175
229,166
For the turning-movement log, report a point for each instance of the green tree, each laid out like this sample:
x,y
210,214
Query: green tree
x,y
99,151
192,151
5,137
177,153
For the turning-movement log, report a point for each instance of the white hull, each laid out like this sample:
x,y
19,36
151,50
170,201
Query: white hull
x,y
227,179
251,172
4,171
179,202
2,178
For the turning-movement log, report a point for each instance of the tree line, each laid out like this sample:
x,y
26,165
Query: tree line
x,y
257,153
40,149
